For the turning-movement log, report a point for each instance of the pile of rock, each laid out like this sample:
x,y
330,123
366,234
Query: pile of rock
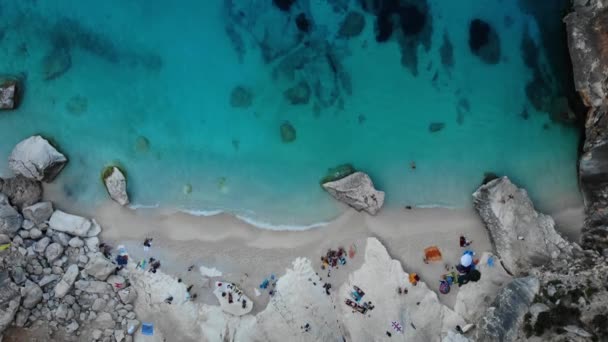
x,y
52,273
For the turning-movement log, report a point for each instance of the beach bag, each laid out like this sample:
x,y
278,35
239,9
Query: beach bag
x,y
444,287
474,275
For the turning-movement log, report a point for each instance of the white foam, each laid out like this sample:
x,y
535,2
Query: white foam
x,y
144,206
205,213
272,226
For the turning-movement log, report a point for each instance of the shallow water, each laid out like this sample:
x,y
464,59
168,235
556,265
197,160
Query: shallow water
x,y
149,87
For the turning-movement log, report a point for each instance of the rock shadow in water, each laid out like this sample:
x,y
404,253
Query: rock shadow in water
x,y
484,41
410,22
446,52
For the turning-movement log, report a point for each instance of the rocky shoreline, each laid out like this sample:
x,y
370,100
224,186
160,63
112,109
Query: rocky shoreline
x,y
54,275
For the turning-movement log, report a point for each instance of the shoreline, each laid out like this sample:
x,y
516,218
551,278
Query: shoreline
x,y
246,254
568,217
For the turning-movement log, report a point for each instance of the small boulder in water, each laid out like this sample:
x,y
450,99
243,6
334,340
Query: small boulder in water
x,y
436,127
303,23
8,95
357,190
298,94
288,132
37,159
283,5
484,42
116,184
352,26
241,97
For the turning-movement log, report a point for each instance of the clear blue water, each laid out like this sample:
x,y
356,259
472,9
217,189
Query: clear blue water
x,y
165,71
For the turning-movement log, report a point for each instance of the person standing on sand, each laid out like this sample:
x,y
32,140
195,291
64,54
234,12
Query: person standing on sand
x,y
147,244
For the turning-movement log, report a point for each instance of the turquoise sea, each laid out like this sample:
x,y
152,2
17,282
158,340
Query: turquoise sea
x,y
151,85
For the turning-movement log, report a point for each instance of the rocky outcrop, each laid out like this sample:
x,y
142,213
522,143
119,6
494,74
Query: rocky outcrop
x,y
10,220
116,184
39,213
74,225
503,320
522,237
47,282
587,28
37,159
357,190
21,191
8,95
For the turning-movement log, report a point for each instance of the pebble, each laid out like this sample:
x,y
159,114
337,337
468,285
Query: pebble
x,y
27,224
24,234
76,242
35,233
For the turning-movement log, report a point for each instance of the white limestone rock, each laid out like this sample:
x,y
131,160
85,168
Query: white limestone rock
x,y
357,190
32,294
8,95
36,158
66,282
100,267
116,184
73,224
53,251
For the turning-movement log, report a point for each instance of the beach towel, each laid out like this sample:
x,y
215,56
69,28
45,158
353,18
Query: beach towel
x,y
147,329
432,253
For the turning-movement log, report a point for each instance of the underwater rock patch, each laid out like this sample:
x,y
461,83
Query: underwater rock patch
x,y
436,127
288,132
303,23
338,172
56,63
298,94
484,41
142,144
412,20
446,52
352,26
283,5
77,105
241,97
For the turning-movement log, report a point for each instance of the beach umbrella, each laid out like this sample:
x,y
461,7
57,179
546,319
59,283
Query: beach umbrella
x,y
466,260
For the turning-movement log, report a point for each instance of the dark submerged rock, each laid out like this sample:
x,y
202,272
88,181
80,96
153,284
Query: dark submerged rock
x,y
303,23
436,127
9,94
288,132
352,26
241,97
338,172
283,5
298,94
484,41
446,51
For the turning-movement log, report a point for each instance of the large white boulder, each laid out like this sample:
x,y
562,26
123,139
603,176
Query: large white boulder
x,y
36,158
523,238
73,224
357,190
116,184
